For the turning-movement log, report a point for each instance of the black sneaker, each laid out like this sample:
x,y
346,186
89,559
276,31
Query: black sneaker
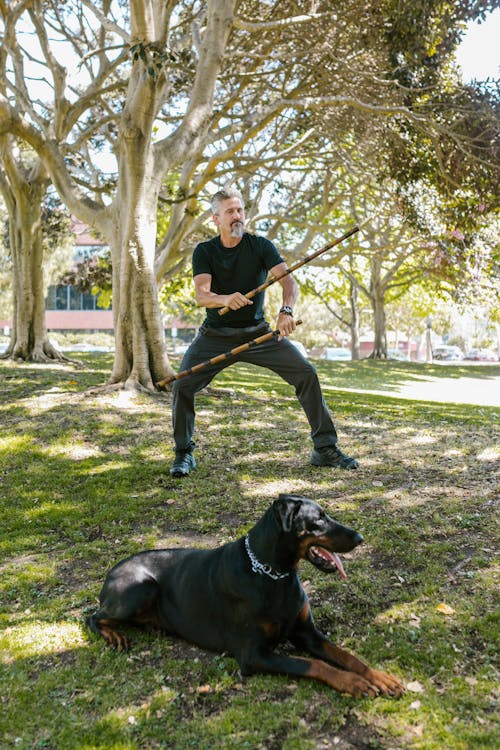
x,y
332,456
183,464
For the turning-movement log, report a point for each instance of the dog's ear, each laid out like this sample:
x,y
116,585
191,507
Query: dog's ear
x,y
285,509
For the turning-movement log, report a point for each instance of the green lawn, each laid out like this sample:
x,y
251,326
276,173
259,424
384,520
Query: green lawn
x,y
85,482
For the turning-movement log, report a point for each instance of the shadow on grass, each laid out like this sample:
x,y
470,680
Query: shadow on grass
x,y
387,614
73,464
207,708
370,375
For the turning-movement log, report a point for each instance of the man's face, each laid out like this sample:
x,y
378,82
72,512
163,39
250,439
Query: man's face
x,y
231,217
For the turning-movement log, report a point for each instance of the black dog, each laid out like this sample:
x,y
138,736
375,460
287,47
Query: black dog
x,y
244,598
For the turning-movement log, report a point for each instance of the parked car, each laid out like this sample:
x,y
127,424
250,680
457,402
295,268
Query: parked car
x,y
337,353
447,353
482,355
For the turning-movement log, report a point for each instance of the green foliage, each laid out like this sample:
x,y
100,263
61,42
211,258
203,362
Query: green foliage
x,y
458,157
422,36
177,298
462,160
411,310
157,60
93,274
56,223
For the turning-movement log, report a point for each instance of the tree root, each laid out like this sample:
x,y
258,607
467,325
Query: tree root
x,y
40,353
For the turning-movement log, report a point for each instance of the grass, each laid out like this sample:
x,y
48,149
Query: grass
x,y
84,482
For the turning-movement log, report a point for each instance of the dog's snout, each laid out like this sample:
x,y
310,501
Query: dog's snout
x,y
358,539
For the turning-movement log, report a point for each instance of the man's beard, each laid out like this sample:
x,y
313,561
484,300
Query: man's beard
x,y
237,229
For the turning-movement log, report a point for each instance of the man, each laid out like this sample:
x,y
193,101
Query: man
x,y
238,260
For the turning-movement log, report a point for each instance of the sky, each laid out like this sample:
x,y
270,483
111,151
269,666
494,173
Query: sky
x,y
479,53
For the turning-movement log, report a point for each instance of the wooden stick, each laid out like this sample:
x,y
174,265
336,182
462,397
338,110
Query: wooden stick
x,y
293,268
221,357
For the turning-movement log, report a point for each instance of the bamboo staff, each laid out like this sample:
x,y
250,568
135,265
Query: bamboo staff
x,y
293,268
221,357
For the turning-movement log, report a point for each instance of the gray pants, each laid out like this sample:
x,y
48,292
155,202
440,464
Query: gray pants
x,y
280,356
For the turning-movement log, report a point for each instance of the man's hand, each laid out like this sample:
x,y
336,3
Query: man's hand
x,y
285,325
236,300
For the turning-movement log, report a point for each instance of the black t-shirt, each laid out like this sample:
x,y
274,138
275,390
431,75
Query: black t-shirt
x,y
236,269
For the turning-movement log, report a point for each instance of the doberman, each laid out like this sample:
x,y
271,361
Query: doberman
x,y
244,598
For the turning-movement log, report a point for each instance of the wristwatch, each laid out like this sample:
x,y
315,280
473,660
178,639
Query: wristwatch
x,y
286,310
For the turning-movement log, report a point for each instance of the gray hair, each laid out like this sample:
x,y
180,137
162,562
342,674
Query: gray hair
x,y
223,195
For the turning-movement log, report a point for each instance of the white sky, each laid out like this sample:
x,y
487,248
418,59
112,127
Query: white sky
x,y
479,53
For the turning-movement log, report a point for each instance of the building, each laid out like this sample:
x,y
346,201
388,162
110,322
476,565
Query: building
x,y
68,309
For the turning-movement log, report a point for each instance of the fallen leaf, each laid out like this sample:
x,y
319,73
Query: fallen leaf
x,y
445,609
415,687
204,689
471,681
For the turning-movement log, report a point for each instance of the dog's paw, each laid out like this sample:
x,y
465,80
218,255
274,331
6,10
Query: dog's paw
x,y
115,640
386,683
355,685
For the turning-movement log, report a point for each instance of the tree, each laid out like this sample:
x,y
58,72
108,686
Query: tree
x,y
419,310
196,93
24,179
128,223
5,266
36,229
23,188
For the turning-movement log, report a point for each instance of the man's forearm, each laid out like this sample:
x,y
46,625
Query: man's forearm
x,y
290,291
234,301
210,299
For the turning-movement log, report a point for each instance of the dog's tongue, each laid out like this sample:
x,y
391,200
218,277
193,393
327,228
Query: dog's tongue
x,y
332,557
340,567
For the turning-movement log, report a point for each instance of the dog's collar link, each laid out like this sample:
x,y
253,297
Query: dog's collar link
x,y
262,568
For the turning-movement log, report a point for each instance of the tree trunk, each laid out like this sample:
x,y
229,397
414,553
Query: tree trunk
x,y
353,299
428,342
379,318
140,356
129,223
409,334
23,195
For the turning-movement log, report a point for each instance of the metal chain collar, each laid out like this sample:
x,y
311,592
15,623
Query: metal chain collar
x,y
262,568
